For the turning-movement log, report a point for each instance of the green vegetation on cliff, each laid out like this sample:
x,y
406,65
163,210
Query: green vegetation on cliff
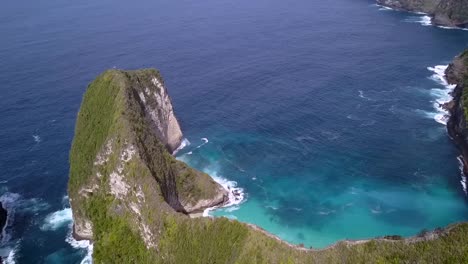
x,y
124,182
444,12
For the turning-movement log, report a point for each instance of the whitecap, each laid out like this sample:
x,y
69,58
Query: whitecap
x,y
182,145
11,258
37,138
326,212
385,8
423,20
57,219
361,94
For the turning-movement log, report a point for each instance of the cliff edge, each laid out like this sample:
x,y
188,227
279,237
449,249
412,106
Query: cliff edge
x,y
452,13
125,132
457,74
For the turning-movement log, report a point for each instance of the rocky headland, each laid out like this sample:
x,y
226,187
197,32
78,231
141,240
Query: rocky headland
x,y
451,13
133,199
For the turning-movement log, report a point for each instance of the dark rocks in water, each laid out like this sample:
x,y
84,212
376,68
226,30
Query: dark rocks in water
x,y
3,217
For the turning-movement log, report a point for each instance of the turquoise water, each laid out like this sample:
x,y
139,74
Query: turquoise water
x,y
323,113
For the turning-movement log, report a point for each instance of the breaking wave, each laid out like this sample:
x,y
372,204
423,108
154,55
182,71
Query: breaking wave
x,y
182,145
57,219
442,96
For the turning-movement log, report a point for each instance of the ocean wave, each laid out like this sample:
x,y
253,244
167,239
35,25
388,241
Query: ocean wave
x,y
82,244
182,145
235,194
37,138
57,219
11,256
442,96
385,8
423,20
463,177
361,95
458,28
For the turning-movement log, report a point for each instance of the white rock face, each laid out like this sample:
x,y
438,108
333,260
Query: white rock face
x,y
159,107
83,228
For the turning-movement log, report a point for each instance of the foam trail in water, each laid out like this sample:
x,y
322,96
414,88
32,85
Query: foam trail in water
x,y
445,27
361,94
463,177
182,145
205,141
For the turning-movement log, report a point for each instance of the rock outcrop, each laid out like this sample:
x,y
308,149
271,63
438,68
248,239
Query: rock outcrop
x,y
126,130
452,13
456,73
3,218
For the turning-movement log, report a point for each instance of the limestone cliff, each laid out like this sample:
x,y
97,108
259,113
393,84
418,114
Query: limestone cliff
x,y
125,128
453,13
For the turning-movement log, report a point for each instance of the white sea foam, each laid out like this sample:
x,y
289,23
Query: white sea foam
x,y
205,141
82,244
37,138
11,257
458,28
463,177
57,219
441,96
385,8
182,145
235,194
361,94
423,20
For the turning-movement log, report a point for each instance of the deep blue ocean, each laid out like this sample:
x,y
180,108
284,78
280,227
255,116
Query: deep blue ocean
x,y
322,112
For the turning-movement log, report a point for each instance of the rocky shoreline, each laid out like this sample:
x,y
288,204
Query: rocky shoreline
x,y
448,13
456,125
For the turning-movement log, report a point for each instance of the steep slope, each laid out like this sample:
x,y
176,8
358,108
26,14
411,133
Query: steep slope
x,y
456,73
452,13
124,129
131,197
